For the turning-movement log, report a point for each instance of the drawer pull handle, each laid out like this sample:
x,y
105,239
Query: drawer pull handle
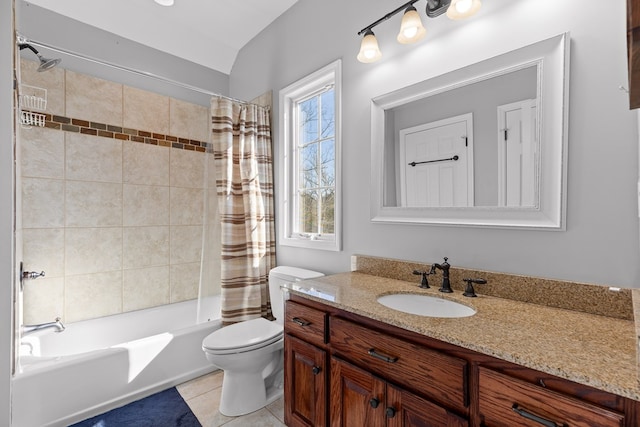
x,y
300,321
533,417
391,412
316,370
388,359
374,402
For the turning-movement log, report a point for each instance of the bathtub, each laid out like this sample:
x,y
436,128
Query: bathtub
x,y
100,364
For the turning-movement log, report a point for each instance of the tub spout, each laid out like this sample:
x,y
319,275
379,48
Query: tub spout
x,y
57,325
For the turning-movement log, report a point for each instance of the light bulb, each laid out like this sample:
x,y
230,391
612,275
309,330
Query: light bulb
x,y
461,9
463,6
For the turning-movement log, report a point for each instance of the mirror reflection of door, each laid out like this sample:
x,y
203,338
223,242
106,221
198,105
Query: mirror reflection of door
x,y
517,153
437,163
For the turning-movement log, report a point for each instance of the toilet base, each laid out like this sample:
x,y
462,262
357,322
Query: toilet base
x,y
245,393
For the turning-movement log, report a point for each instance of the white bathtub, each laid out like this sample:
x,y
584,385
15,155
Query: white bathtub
x,y
97,365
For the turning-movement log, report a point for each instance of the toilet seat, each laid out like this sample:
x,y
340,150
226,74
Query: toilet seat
x,y
243,336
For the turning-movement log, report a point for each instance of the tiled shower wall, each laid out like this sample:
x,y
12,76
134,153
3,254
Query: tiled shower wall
x,y
112,198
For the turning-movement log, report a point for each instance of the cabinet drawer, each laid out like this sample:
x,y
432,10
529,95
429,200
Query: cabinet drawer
x,y
305,322
440,377
507,401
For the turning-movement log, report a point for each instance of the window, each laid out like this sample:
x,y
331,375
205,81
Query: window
x,y
310,156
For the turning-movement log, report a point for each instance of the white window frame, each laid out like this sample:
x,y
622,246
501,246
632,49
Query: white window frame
x,y
329,75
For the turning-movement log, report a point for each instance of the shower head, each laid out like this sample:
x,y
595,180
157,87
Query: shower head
x,y
45,63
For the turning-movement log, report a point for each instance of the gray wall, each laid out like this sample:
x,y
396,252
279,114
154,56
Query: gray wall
x,y
6,206
600,244
41,25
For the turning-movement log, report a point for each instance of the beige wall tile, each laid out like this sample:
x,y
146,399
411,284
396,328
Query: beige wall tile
x,y
146,205
146,110
92,295
187,169
43,250
93,158
93,250
186,244
185,281
46,300
145,247
145,287
42,152
186,206
42,203
189,120
52,81
93,99
113,197
93,204
145,164
265,100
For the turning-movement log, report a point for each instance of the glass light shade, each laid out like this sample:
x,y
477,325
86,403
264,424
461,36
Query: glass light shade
x,y
164,2
461,9
411,29
369,50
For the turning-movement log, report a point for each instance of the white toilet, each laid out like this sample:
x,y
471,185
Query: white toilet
x,y
251,352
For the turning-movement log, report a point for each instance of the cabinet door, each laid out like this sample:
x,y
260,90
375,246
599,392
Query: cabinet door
x,y
305,384
357,397
405,409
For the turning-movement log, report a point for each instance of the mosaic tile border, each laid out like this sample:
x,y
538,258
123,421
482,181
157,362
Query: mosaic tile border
x,y
70,124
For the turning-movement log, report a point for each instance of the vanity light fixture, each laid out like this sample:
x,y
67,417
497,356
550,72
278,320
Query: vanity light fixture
x,y
411,28
369,50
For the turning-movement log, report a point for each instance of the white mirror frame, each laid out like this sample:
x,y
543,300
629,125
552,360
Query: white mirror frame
x,y
551,56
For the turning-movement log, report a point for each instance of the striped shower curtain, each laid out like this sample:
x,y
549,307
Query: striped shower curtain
x,y
241,139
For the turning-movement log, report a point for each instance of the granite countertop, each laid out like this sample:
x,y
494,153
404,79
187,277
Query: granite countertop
x,y
589,349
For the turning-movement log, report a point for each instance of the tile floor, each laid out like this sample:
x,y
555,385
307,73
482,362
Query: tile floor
x,y
202,394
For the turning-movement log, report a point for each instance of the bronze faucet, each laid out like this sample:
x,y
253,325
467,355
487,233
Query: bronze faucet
x,y
446,285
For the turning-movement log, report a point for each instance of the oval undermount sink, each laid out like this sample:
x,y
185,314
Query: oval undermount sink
x,y
424,305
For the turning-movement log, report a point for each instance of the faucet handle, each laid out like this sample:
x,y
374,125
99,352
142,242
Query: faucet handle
x,y
424,283
469,291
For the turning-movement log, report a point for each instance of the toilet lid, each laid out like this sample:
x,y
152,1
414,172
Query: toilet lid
x,y
243,336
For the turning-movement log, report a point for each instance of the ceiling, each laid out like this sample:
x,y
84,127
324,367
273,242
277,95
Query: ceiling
x,y
207,32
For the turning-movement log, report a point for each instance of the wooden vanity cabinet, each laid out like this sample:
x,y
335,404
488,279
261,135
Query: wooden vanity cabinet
x,y
359,398
306,373
507,401
411,380
633,52
437,376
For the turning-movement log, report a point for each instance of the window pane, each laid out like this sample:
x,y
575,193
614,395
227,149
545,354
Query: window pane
x,y
308,212
328,114
328,209
328,164
308,166
309,120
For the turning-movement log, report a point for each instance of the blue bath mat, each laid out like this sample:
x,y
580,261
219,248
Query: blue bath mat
x,y
164,409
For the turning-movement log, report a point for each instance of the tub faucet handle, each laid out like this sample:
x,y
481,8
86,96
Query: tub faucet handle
x,y
32,274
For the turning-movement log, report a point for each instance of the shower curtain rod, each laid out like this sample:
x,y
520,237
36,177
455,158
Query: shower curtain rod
x,y
23,39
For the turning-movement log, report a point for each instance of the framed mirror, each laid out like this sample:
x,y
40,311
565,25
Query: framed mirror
x,y
485,145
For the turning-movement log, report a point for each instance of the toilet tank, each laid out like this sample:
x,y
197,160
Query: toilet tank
x,y
280,275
